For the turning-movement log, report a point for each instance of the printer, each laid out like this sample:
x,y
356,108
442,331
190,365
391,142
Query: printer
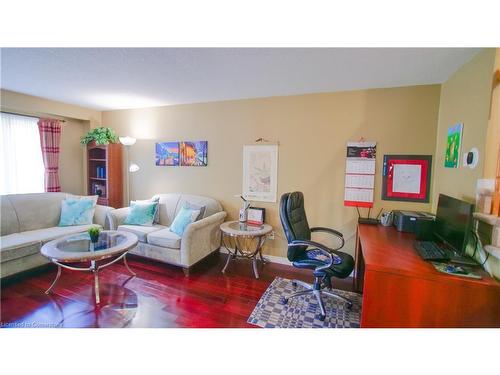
x,y
407,221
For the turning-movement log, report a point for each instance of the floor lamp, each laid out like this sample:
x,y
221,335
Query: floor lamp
x,y
133,168
127,142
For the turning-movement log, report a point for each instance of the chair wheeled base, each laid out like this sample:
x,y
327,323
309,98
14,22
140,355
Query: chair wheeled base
x,y
321,286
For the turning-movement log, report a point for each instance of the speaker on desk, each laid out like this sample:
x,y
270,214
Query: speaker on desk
x,y
425,230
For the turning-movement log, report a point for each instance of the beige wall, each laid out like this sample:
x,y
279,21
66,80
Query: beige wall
x,y
72,171
35,105
72,163
493,137
312,131
465,98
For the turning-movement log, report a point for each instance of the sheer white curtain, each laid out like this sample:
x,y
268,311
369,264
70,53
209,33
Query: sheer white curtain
x,y
21,164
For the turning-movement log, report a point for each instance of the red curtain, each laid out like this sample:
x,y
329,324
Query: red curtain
x,y
50,135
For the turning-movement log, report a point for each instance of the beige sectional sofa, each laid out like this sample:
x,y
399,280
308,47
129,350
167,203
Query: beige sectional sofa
x,y
30,220
200,238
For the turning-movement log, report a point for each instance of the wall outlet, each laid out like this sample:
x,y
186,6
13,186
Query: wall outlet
x,y
270,236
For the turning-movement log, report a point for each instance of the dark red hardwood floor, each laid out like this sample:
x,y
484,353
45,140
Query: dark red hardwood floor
x,y
159,296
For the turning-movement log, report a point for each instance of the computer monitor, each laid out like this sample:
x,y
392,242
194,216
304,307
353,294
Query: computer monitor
x,y
453,222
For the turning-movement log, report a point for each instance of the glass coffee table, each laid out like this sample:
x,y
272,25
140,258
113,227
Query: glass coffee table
x,y
78,248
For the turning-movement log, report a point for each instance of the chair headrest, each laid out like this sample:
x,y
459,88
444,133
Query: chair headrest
x,y
291,211
295,200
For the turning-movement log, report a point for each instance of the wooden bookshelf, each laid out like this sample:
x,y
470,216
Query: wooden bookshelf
x,y
105,173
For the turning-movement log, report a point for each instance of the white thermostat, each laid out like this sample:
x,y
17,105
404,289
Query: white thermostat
x,y
471,158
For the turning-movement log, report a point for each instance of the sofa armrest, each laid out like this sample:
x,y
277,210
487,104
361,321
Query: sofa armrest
x,y
117,217
100,215
201,238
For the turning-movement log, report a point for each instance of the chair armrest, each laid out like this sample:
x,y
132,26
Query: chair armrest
x,y
100,215
334,258
117,217
332,232
201,238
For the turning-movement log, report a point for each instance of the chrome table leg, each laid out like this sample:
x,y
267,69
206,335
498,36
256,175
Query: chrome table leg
x,y
255,271
264,260
55,280
126,266
230,257
95,270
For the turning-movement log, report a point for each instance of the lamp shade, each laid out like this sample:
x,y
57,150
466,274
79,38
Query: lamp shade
x,y
133,168
127,141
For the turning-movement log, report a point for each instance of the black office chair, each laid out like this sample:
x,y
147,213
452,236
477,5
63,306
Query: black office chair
x,y
304,253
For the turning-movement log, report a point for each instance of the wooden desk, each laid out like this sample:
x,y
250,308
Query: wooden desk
x,y
400,289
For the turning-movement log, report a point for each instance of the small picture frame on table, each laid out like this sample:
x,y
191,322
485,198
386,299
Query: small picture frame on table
x,y
256,216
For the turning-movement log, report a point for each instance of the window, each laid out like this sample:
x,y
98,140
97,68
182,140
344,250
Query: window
x,y
21,164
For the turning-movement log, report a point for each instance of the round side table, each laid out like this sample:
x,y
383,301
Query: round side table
x,y
243,240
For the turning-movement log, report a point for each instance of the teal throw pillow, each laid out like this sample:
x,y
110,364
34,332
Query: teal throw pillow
x,y
194,206
185,217
141,213
152,200
76,212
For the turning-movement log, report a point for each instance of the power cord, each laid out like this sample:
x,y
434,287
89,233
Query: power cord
x,y
487,256
476,237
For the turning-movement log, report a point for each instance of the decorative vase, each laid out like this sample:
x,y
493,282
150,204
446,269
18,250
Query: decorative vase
x,y
94,237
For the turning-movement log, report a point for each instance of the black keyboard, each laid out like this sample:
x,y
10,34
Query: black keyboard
x,y
429,250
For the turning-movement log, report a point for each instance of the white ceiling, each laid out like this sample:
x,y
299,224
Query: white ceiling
x,y
117,78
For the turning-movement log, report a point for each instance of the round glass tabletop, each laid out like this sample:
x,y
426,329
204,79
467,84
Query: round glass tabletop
x,y
78,247
244,226
236,228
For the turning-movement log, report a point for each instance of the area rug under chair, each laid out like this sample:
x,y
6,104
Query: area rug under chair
x,y
303,311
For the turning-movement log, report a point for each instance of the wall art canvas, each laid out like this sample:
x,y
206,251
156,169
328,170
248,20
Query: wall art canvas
x,y
194,154
167,154
453,144
407,178
260,172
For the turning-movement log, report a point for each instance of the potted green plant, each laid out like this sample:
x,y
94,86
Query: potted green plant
x,y
94,234
101,136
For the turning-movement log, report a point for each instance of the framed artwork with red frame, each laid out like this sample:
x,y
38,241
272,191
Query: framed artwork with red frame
x,y
407,178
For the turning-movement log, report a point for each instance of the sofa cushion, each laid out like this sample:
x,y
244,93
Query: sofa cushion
x,y
14,246
140,231
167,207
211,205
171,203
37,210
22,264
49,234
164,238
9,223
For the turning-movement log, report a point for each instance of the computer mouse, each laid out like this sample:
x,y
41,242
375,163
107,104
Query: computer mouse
x,y
454,269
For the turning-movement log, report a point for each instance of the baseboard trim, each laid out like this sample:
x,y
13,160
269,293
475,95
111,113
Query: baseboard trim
x,y
270,258
275,259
